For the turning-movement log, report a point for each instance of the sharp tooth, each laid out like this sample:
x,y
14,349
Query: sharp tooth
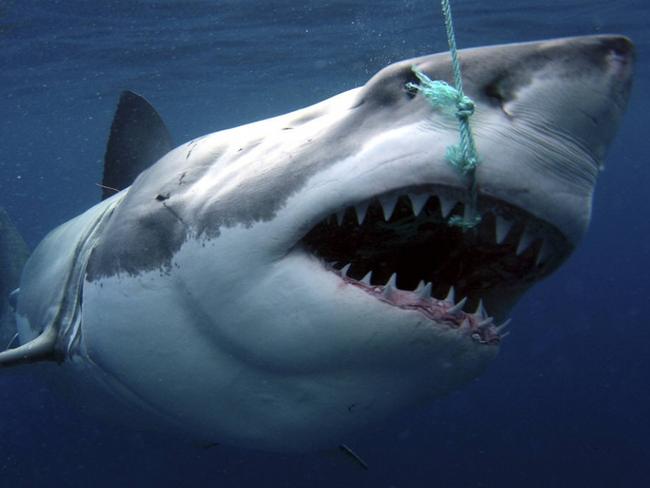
x,y
344,269
480,310
426,291
389,287
339,216
418,202
525,241
502,228
392,281
451,295
388,205
544,253
446,205
418,288
361,209
458,307
366,279
485,323
500,328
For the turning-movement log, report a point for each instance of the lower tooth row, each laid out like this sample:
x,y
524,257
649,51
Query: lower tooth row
x,y
423,290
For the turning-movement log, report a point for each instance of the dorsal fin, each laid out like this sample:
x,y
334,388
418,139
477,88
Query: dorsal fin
x,y
138,139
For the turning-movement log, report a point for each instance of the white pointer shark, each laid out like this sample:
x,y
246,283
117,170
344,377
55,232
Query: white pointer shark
x,y
281,284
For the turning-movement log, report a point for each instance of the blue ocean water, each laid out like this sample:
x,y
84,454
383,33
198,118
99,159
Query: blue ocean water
x,y
567,401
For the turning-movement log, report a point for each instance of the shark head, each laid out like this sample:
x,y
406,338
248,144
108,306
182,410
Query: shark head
x,y
281,284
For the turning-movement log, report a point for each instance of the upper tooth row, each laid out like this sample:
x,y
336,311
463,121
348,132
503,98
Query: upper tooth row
x,y
389,202
419,201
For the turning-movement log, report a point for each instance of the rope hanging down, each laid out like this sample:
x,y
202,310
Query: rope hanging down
x,y
463,156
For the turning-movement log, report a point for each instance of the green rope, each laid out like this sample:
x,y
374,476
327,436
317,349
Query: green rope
x,y
463,156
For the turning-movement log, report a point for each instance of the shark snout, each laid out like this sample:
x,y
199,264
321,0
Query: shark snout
x,y
578,87
502,71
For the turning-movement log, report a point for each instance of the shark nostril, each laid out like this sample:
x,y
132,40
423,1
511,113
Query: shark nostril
x,y
618,52
621,47
619,60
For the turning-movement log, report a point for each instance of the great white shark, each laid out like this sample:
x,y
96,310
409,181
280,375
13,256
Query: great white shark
x,y
281,284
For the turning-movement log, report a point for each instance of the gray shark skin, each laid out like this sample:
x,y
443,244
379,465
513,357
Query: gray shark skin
x,y
282,284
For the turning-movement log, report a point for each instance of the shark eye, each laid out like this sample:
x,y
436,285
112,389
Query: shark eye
x,y
495,93
409,85
410,92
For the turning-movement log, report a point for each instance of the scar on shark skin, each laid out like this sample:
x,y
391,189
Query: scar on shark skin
x,y
162,198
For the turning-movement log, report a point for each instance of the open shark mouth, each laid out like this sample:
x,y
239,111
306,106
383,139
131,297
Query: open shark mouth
x,y
400,247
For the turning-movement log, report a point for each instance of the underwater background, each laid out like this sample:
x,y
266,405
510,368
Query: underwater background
x,y
566,403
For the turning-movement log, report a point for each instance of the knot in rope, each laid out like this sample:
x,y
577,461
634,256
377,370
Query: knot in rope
x,y
464,107
442,95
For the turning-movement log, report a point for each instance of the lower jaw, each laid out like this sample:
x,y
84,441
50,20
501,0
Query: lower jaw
x,y
478,326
